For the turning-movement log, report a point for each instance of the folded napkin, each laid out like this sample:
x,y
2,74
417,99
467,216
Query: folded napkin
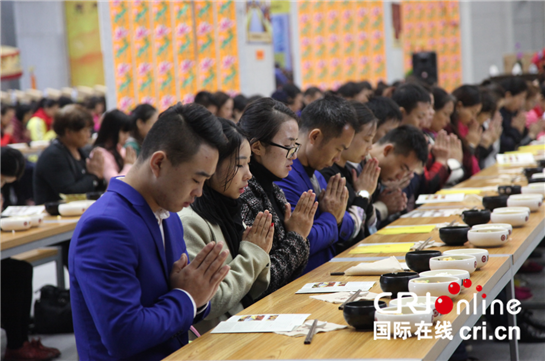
x,y
341,297
434,244
321,326
388,265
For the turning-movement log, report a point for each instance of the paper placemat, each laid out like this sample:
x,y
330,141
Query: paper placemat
x,y
330,287
383,248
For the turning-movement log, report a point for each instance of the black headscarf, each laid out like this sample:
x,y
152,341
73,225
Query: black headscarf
x,y
225,212
222,211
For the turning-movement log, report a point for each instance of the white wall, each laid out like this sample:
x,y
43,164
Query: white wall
x,y
41,37
495,28
256,77
394,56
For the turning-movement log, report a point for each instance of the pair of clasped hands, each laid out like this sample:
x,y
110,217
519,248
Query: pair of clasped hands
x,y
202,277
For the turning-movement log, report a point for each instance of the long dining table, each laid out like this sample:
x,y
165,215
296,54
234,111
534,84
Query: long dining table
x,y
55,229
348,343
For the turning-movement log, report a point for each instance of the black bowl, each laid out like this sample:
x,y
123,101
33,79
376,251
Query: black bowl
x,y
473,217
508,190
536,180
396,282
453,236
361,314
528,172
419,261
53,207
541,163
492,203
93,196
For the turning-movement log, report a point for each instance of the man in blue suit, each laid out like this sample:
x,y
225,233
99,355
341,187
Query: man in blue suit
x,y
134,295
326,129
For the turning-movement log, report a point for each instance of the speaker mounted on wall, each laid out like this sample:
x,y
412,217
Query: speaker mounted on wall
x,y
425,66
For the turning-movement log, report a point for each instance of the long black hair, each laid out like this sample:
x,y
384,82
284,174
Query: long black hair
x,y
468,95
144,112
13,163
113,122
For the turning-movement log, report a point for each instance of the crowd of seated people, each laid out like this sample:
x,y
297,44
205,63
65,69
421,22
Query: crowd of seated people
x,y
283,183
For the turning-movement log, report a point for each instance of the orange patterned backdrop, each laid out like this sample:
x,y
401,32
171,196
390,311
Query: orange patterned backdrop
x,y
434,25
165,51
341,41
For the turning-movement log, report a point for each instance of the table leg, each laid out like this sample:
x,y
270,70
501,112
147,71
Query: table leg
x,y
60,269
512,321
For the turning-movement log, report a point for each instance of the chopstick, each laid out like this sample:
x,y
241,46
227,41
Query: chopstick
x,y
336,274
352,298
451,223
311,332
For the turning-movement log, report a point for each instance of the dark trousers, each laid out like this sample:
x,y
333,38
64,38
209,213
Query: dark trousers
x,y
16,300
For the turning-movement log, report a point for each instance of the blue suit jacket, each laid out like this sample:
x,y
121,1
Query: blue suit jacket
x,y
324,232
122,304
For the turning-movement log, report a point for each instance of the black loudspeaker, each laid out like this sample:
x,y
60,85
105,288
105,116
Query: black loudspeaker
x,y
425,66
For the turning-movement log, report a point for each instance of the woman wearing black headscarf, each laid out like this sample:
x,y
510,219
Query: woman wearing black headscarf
x,y
216,217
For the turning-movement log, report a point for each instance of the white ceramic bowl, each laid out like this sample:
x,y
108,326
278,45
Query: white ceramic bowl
x,y
526,200
36,220
495,225
418,301
534,188
407,316
75,208
15,223
481,255
460,273
488,237
514,218
511,209
467,263
436,286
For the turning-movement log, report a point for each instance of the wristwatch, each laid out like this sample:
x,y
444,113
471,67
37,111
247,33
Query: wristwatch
x,y
363,194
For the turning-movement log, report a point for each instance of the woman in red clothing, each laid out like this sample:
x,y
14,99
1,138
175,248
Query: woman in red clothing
x,y
463,123
8,112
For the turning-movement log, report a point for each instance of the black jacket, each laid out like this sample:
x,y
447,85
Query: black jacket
x,y
57,171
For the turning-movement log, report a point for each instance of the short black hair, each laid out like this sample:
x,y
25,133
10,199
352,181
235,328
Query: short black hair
x,y
385,109
514,85
409,95
489,102
407,139
220,98
291,91
365,85
64,101
349,90
263,118
468,95
13,162
5,107
205,99
21,110
240,102
72,117
364,115
180,131
329,114
441,98
312,91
